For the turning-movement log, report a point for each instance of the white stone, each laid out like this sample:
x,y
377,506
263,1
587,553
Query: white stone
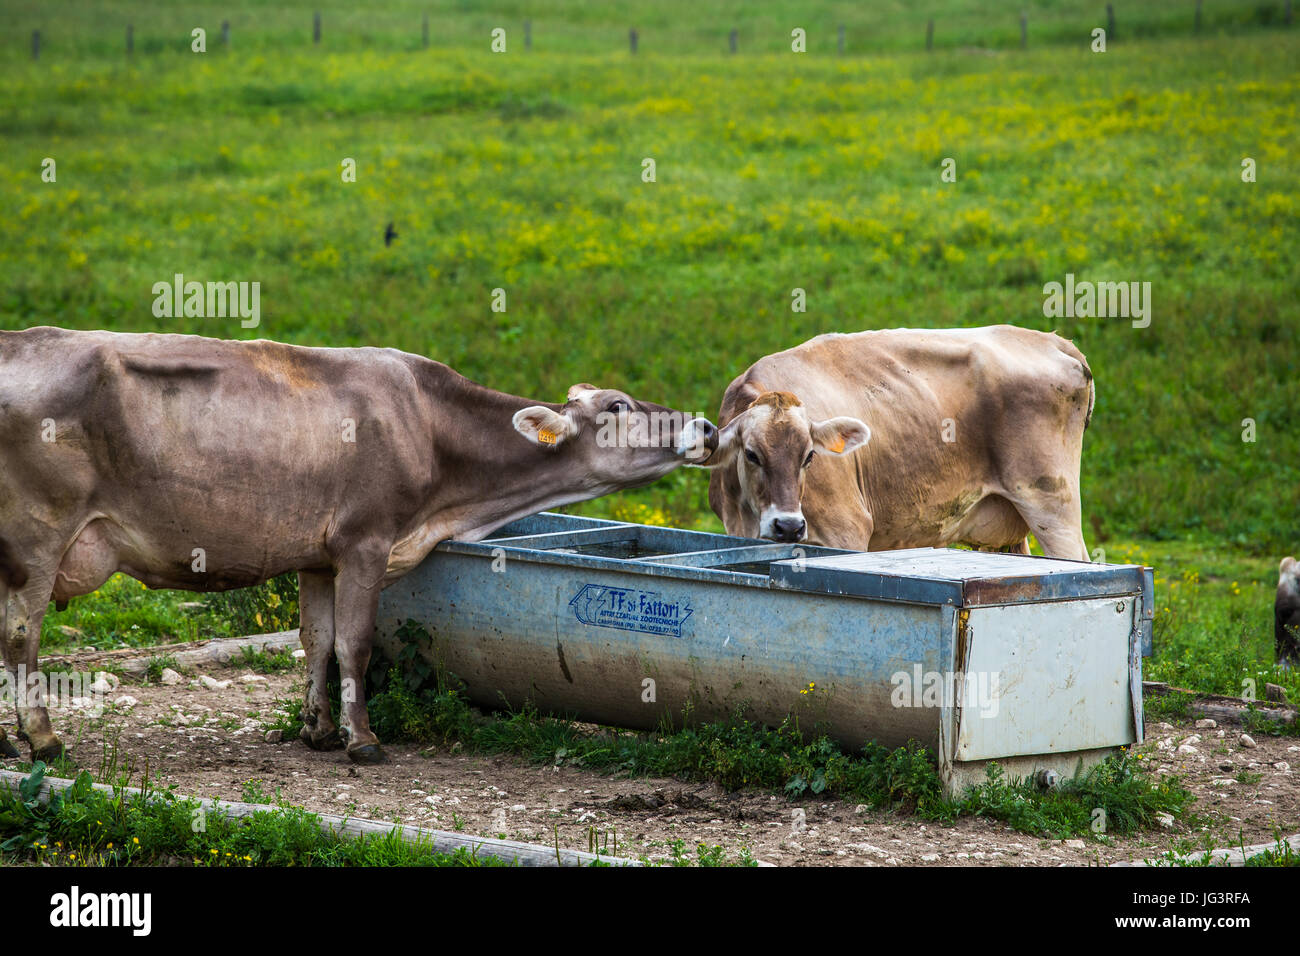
x,y
125,702
1205,723
1247,741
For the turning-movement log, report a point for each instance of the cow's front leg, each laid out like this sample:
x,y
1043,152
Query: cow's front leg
x,y
356,602
316,632
20,637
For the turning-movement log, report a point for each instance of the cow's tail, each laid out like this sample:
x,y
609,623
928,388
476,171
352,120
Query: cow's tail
x,y
1092,395
1070,349
12,573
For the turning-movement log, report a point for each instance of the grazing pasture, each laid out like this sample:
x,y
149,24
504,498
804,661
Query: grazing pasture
x,y
774,171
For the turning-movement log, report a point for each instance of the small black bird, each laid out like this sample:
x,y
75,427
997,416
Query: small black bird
x,y
389,234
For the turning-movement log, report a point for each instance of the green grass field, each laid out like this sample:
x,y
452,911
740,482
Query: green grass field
x,y
775,171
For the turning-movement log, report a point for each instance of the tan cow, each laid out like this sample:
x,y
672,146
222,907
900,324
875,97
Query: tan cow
x,y
908,438
204,464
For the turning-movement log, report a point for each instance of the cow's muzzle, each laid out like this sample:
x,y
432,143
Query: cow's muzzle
x,y
786,528
698,440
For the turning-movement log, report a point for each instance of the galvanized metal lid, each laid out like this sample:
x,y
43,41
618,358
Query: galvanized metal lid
x,y
955,577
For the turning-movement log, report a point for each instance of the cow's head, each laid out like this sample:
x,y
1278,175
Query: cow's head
x,y
616,439
771,444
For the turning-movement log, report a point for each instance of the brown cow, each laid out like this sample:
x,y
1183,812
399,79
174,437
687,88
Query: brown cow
x,y
204,464
908,438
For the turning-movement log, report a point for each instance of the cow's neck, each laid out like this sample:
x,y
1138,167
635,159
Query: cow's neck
x,y
487,474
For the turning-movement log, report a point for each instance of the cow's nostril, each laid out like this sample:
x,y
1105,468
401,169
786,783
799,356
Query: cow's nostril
x,y
788,529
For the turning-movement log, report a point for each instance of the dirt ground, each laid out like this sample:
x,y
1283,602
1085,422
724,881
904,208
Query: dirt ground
x,y
211,741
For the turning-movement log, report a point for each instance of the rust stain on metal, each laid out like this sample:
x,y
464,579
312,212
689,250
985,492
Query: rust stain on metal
x,y
564,668
1003,590
963,640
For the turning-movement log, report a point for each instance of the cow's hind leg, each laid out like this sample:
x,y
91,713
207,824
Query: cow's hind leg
x,y
356,602
316,632
20,639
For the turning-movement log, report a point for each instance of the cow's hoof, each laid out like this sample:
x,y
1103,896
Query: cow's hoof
x,y
370,753
329,741
50,753
7,749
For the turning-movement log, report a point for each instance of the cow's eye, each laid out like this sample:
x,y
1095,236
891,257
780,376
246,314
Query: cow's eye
x,y
619,407
808,461
753,459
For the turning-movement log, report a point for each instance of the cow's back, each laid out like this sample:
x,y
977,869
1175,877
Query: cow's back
x,y
254,439
855,373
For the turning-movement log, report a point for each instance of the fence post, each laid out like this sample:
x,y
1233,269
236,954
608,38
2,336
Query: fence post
x,y
929,35
1198,16
130,39
631,39
1024,31
36,44
1287,20
1110,22
840,44
731,39
528,34
315,27
424,31
225,33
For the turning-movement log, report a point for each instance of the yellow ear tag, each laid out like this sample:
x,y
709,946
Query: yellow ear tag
x,y
838,446
546,436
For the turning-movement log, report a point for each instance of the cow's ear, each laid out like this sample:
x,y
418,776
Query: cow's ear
x,y
577,391
1287,569
730,442
839,436
544,427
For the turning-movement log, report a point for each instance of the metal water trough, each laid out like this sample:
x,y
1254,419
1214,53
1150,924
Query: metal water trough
x,y
1033,662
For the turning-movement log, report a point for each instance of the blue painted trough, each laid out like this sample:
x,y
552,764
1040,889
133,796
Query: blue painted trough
x,y
1032,662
